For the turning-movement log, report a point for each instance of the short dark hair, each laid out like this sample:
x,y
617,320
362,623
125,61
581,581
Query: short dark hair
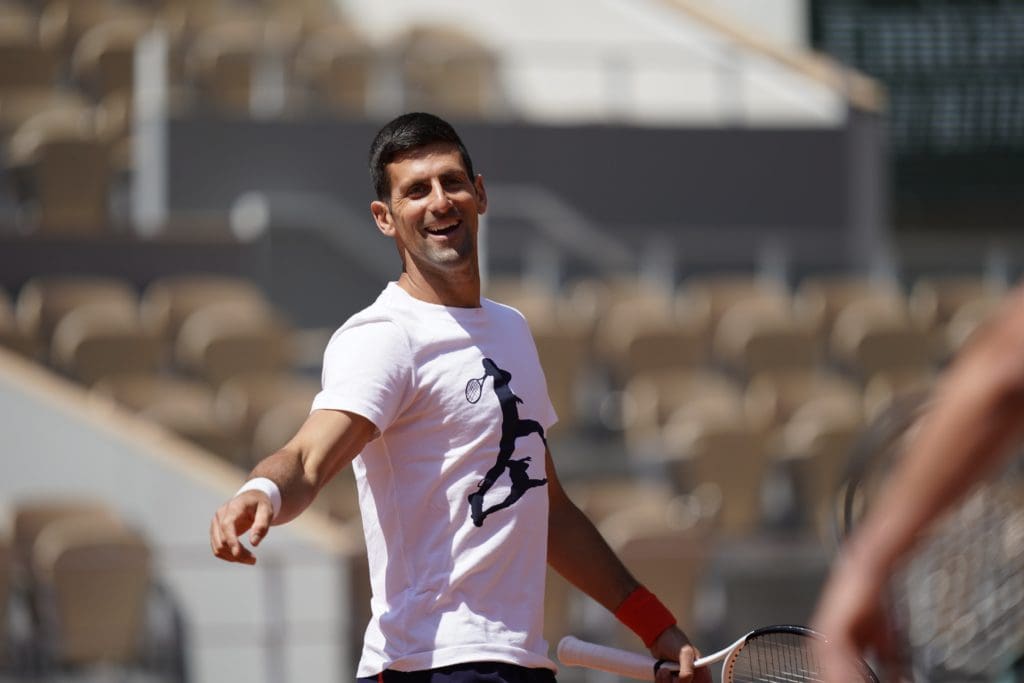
x,y
405,133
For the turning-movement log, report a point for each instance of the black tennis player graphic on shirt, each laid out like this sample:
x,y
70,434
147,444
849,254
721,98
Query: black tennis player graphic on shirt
x,y
512,427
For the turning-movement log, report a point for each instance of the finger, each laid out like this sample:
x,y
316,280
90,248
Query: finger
x,y
686,657
261,523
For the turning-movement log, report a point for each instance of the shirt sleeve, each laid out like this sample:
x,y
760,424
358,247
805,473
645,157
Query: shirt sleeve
x,y
367,370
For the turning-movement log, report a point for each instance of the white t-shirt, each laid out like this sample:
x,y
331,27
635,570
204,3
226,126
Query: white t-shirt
x,y
457,566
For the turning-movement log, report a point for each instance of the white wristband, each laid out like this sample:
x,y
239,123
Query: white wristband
x,y
268,487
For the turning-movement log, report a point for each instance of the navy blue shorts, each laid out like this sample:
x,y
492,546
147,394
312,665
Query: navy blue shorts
x,y
469,672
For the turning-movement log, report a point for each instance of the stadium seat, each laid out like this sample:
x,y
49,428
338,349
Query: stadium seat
x,y
30,517
336,64
62,172
17,20
64,22
104,58
11,336
869,338
665,547
102,339
243,401
448,71
222,340
716,293
227,58
708,448
772,398
935,302
44,300
756,335
184,407
819,299
649,399
93,579
816,446
24,63
644,335
168,301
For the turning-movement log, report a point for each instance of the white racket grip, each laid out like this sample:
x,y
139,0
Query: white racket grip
x,y
575,652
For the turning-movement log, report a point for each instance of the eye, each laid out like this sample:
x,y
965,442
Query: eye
x,y
417,190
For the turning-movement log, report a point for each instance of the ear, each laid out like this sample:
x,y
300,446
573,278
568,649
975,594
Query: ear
x,y
481,194
382,216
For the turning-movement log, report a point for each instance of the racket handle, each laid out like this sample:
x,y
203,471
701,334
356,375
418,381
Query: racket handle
x,y
575,652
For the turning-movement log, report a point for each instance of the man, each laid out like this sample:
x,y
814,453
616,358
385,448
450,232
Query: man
x,y
458,494
976,416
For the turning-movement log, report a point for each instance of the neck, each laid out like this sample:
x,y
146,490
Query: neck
x,y
456,291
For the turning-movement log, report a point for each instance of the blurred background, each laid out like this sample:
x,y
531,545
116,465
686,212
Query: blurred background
x,y
739,229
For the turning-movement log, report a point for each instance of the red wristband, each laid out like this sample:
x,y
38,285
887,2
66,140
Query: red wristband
x,y
644,615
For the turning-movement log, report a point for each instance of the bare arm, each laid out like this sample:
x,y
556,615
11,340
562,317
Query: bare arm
x,y
977,413
577,551
326,442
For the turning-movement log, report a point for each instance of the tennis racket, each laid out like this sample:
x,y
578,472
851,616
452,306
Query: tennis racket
x,y
770,654
957,606
475,388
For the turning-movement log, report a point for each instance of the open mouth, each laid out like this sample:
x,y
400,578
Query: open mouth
x,y
444,230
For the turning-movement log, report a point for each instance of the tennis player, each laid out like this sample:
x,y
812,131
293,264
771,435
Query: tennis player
x,y
436,398
976,416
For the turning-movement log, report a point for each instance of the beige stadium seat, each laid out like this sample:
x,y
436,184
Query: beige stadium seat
x,y
61,165
99,340
168,301
225,59
93,582
666,549
184,407
44,300
819,299
887,387
716,451
649,400
968,319
816,446
30,517
11,336
771,399
869,338
244,399
64,22
601,498
337,65
21,104
17,20
755,335
104,58
563,356
447,70
716,293
647,335
936,302
24,63
222,340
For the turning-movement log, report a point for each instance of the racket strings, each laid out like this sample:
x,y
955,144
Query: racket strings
x,y
960,601
776,658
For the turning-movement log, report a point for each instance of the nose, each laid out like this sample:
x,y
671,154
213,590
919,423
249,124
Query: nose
x,y
440,202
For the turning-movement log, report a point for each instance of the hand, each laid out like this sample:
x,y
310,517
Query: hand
x,y
852,616
673,645
249,511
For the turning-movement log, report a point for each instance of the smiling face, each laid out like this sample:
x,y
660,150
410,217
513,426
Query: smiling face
x,y
433,215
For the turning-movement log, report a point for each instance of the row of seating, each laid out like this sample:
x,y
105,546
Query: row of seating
x,y
67,71
78,593
868,332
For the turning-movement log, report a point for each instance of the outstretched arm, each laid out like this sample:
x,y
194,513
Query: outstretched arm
x,y
326,442
976,414
577,551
